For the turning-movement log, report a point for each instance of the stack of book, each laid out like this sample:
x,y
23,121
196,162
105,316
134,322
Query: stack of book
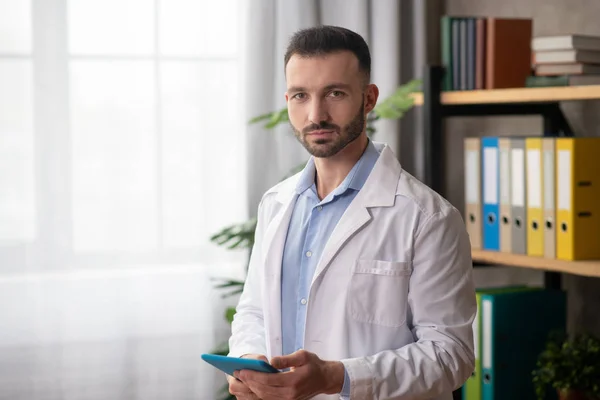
x,y
481,52
567,60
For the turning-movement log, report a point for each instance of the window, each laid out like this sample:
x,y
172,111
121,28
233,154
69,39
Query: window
x,y
17,192
121,138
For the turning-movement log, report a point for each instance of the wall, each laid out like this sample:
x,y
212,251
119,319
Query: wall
x,y
550,17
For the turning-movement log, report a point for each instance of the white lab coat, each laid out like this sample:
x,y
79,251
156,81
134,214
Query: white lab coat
x,y
392,296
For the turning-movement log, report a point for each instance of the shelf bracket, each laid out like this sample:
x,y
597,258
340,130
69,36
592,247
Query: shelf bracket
x,y
555,122
432,125
552,280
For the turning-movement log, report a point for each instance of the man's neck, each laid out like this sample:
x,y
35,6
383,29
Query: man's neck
x,y
332,171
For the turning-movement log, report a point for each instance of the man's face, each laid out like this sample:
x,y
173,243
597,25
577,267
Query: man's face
x,y
327,101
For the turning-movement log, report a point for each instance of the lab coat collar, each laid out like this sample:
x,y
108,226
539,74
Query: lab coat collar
x,y
378,191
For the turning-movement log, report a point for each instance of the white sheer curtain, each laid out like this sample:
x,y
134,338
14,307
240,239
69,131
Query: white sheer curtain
x,y
122,149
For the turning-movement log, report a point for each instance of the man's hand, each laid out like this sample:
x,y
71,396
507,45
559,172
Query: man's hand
x,y
240,390
308,376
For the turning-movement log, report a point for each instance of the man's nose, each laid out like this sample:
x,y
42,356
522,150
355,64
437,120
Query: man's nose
x,y
318,112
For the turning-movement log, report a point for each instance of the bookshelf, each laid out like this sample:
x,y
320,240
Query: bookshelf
x,y
545,102
518,95
584,268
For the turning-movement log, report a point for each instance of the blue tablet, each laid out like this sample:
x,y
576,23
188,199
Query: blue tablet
x,y
231,364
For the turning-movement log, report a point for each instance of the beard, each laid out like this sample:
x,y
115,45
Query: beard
x,y
330,146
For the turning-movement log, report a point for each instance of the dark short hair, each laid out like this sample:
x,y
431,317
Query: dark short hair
x,y
327,39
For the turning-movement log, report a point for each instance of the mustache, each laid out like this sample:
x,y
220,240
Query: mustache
x,y
321,126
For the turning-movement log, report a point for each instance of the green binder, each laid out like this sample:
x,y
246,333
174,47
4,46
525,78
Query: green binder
x,y
471,390
514,328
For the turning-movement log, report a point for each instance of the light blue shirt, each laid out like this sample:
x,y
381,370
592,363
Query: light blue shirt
x,y
310,227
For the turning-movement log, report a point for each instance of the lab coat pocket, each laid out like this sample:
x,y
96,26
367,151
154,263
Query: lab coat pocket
x,y
379,292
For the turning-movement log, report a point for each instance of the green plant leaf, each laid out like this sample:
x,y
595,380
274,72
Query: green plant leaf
x,y
568,364
399,102
221,350
229,313
232,293
261,118
226,283
277,117
236,236
273,118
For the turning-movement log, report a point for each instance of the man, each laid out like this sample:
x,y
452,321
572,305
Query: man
x,y
360,280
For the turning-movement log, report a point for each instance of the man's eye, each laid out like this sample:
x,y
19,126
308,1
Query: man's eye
x,y
299,96
336,93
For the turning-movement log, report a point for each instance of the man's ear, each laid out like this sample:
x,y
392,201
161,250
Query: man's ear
x,y
371,96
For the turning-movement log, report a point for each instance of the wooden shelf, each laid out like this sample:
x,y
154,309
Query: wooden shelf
x,y
517,95
585,268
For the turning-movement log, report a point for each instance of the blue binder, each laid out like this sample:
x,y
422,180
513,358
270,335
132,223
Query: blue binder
x,y
515,327
490,177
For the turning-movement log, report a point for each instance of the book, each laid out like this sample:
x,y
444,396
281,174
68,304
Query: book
x,y
566,42
463,52
567,56
567,69
563,80
508,52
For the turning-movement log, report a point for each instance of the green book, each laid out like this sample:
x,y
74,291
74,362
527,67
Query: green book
x,y
446,42
562,80
546,81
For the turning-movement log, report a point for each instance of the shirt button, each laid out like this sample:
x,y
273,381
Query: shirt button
x,y
308,254
320,208
303,301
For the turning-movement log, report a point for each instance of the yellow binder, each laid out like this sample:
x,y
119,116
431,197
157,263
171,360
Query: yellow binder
x,y
535,211
577,198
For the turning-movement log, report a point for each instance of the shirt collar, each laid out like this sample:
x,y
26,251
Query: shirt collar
x,y
355,179
307,177
361,171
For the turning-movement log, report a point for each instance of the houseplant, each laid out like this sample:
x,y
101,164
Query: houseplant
x,y
241,236
571,366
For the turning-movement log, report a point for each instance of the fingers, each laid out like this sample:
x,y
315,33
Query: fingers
x,y
239,389
295,359
250,396
255,357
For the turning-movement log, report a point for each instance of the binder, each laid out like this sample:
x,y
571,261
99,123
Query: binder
x,y
505,207
472,388
577,198
549,172
535,213
472,190
491,206
518,195
515,327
